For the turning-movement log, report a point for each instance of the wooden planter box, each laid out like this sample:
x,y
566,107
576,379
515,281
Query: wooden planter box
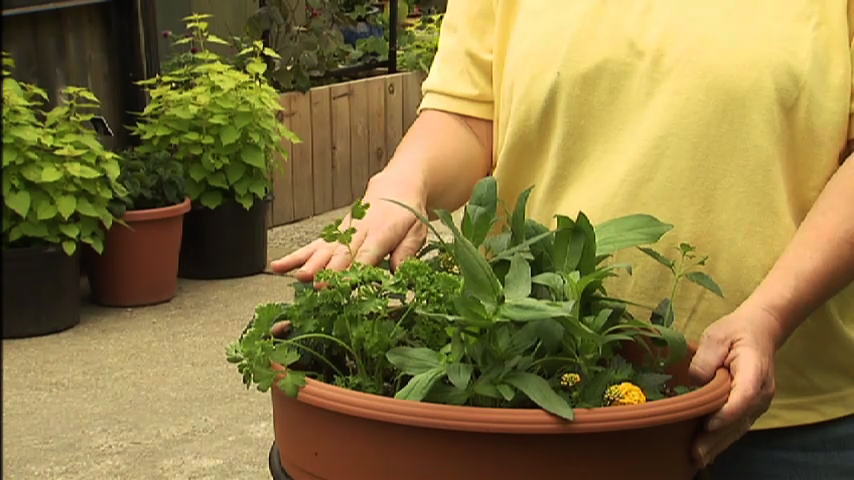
x,y
349,131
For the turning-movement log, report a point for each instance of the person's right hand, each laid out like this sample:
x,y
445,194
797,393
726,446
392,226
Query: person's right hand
x,y
386,229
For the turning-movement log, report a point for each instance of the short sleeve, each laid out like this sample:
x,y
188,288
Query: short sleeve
x,y
460,79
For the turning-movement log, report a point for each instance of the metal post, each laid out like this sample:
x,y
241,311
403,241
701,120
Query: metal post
x,y
394,11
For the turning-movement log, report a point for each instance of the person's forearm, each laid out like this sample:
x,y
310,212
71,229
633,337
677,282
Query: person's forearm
x,y
449,153
818,262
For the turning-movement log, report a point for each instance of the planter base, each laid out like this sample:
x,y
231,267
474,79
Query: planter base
x,y
226,242
277,471
41,291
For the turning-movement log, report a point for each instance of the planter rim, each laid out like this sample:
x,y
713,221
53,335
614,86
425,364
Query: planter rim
x,y
698,403
157,213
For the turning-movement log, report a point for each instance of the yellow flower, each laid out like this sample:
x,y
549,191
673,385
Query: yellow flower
x,y
624,394
570,379
448,264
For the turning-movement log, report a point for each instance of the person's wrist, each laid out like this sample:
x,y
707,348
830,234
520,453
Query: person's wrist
x,y
399,177
769,319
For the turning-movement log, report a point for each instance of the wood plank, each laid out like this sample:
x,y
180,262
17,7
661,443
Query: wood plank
x,y
342,190
301,153
376,124
321,137
360,150
411,98
282,206
394,113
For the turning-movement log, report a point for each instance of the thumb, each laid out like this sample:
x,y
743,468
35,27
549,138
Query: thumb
x,y
711,355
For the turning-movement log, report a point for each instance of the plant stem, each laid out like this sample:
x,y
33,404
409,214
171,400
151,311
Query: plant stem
x,y
321,357
333,339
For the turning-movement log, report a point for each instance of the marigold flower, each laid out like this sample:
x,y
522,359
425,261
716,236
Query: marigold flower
x,y
624,393
570,379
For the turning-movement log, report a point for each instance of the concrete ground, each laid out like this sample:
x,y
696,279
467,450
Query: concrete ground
x,y
146,393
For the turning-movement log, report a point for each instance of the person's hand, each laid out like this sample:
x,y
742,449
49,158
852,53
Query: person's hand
x,y
744,342
386,229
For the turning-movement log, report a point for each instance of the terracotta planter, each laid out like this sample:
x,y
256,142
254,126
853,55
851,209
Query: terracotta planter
x,y
329,433
139,265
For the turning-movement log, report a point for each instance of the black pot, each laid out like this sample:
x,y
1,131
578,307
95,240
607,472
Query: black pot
x,y
225,242
41,291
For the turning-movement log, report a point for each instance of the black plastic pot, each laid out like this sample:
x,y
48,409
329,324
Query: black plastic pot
x,y
277,471
225,242
41,291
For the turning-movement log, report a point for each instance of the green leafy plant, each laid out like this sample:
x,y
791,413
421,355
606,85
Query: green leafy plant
x,y
153,180
419,44
60,183
512,315
308,45
221,123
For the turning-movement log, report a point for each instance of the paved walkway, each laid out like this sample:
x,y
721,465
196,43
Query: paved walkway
x,y
145,393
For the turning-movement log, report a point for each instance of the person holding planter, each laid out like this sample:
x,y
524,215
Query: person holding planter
x,y
222,124
139,264
58,185
706,115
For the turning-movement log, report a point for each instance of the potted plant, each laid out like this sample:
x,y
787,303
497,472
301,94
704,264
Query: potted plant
x,y
419,43
496,356
221,123
58,185
139,264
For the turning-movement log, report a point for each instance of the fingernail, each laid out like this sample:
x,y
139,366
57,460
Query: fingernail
x,y
713,424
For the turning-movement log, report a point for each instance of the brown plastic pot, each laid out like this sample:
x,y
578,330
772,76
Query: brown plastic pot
x,y
330,433
139,265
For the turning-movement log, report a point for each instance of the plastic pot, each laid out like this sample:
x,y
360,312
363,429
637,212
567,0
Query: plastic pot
x,y
41,291
228,241
139,265
331,433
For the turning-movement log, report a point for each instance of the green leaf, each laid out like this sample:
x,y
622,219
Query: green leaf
x,y
506,391
517,223
66,204
45,211
86,208
517,283
69,246
253,156
478,277
228,135
292,383
82,171
540,392
704,280
560,246
284,355
19,202
629,231
234,171
480,211
211,198
70,230
198,172
419,385
658,257
414,361
50,174
460,374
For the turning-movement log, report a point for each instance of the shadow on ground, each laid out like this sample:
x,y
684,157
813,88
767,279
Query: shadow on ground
x,y
146,393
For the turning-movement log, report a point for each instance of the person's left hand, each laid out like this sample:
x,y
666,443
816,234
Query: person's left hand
x,y
745,342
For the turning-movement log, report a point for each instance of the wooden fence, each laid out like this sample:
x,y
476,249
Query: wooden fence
x,y
349,132
69,47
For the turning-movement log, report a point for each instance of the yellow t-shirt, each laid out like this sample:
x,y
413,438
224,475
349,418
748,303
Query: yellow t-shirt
x,y
724,118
